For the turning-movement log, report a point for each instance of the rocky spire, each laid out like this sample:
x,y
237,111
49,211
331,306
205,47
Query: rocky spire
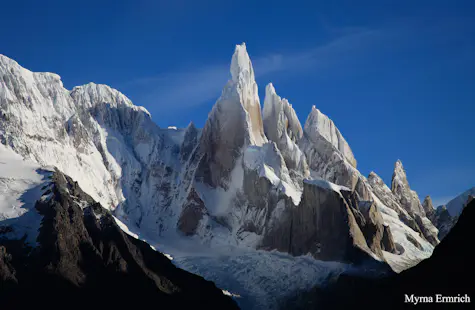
x,y
428,206
282,126
241,65
234,122
318,124
280,118
245,87
408,198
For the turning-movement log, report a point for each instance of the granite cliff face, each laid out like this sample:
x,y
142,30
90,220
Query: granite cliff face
x,y
325,225
448,272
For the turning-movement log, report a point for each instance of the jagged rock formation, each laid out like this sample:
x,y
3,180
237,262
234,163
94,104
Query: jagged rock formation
x,y
386,196
234,122
443,221
307,228
428,207
448,272
318,124
282,126
410,202
241,180
378,236
401,190
328,155
81,251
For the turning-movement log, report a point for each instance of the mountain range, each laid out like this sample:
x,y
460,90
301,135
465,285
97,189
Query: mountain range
x,y
252,181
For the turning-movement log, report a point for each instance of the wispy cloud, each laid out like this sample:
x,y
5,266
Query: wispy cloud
x,y
196,86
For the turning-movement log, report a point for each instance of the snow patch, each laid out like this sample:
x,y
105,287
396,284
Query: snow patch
x,y
125,228
412,254
326,184
22,184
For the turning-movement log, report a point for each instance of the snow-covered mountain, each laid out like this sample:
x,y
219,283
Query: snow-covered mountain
x,y
252,178
56,241
456,205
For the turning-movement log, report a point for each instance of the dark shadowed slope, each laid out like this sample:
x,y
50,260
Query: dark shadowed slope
x,y
450,271
83,259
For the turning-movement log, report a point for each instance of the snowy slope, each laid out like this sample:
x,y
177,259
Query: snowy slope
x,y
456,205
21,185
257,279
411,254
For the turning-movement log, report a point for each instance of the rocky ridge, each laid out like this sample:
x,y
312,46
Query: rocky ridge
x,y
247,178
81,251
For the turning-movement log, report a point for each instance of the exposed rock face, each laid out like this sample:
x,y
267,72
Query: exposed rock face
x,y
429,231
401,190
443,221
384,194
307,228
282,126
328,154
377,235
83,252
448,272
7,271
428,207
234,122
409,200
318,124
192,214
387,243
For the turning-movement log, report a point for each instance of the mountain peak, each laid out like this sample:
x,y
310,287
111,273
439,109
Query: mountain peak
x,y
92,94
319,124
428,205
279,117
399,171
241,66
455,206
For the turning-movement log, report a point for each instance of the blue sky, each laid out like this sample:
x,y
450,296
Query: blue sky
x,y
397,77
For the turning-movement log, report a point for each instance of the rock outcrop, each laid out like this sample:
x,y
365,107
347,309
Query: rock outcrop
x,y
328,155
448,272
282,126
428,207
234,122
378,236
83,255
409,201
324,224
318,124
401,190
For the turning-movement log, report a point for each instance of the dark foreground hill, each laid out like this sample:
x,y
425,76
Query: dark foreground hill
x,y
84,260
450,272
